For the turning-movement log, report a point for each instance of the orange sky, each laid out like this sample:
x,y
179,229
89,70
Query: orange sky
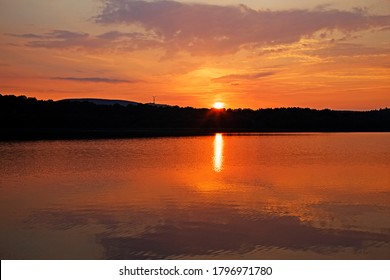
x,y
194,53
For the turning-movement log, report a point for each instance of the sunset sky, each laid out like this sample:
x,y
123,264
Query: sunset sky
x,y
246,53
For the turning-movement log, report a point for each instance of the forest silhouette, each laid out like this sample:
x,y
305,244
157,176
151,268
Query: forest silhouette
x,y
24,117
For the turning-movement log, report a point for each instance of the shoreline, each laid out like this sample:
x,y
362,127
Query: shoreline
x,y
36,134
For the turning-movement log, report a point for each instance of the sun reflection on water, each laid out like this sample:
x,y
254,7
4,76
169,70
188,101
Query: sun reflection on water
x,y
218,152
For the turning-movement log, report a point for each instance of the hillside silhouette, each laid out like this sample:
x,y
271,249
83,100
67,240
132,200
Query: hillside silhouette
x,y
29,118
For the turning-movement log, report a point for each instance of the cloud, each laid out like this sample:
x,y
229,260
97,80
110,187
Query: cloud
x,y
26,35
55,39
54,34
212,29
64,34
113,35
94,80
238,77
63,39
205,29
351,50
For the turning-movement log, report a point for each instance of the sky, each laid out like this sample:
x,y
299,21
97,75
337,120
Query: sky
x,y
246,54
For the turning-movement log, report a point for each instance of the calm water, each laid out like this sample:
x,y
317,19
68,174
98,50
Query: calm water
x,y
284,196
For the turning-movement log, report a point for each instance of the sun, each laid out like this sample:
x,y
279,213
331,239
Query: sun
x,y
218,105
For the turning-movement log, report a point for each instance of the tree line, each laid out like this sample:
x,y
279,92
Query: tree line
x,y
18,113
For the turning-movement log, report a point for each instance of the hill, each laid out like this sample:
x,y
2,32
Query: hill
x,y
100,101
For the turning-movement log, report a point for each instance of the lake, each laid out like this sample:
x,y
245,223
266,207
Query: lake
x,y
226,196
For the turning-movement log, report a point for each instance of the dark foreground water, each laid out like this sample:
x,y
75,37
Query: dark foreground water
x,y
283,196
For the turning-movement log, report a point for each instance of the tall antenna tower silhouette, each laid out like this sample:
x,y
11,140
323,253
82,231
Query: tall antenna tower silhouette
x,y
154,99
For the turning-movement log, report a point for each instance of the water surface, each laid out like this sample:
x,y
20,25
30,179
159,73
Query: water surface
x,y
257,196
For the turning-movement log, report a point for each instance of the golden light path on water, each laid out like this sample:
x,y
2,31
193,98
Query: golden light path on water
x,y
218,152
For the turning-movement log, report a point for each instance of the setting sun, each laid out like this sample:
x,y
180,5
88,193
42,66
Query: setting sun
x,y
218,105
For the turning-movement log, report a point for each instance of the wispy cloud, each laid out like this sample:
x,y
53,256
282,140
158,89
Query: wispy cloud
x,y
94,80
54,34
240,77
62,39
113,35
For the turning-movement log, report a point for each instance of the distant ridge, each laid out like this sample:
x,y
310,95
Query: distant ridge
x,y
100,101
